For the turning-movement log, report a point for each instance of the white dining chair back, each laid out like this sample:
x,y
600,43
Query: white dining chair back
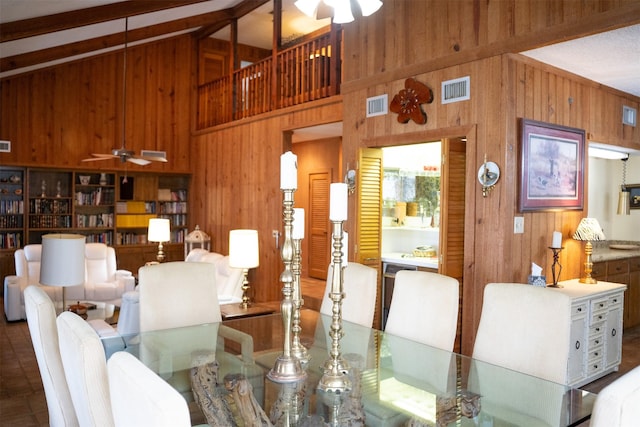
x,y
175,294
521,325
618,404
424,308
359,286
85,368
139,397
41,319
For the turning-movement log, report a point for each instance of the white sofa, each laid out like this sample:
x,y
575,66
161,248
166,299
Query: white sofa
x,y
103,281
228,279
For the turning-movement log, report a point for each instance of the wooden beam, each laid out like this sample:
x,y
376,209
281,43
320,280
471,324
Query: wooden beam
x,y
104,42
78,18
237,12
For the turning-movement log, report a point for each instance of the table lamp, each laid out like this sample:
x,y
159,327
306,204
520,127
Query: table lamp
x,y
159,232
588,230
244,254
62,261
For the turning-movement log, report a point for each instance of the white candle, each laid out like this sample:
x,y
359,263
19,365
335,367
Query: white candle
x,y
556,242
288,171
298,224
338,202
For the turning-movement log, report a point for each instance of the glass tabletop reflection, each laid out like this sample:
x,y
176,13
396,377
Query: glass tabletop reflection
x,y
222,369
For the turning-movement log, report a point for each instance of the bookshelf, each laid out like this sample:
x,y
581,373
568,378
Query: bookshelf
x,y
108,207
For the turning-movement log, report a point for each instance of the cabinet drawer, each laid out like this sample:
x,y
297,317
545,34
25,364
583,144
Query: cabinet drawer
x,y
620,266
599,305
593,367
597,330
634,264
596,340
615,301
578,310
595,355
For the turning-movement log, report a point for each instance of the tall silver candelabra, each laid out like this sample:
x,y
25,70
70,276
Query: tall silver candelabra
x,y
335,376
287,367
297,349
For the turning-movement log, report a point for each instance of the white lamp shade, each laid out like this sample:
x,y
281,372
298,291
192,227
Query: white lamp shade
x,y
62,260
297,231
243,249
159,230
589,229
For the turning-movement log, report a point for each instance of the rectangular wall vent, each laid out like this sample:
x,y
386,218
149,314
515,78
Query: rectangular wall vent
x,y
5,146
151,153
629,115
377,105
456,90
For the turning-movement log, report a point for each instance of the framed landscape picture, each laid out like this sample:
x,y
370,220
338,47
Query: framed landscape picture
x,y
552,167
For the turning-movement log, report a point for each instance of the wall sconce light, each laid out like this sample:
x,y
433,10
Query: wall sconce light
x,y
159,231
244,253
588,230
350,180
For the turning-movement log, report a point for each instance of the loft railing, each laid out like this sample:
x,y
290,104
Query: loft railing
x,y
302,73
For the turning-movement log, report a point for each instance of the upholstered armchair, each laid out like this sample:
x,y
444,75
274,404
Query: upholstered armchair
x,y
103,281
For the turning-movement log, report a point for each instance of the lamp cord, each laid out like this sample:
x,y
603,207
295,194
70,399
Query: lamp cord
x,y
624,173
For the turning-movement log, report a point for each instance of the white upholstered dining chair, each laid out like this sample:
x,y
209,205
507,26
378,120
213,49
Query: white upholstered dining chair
x,y
526,329
139,397
359,286
618,404
424,308
85,368
41,319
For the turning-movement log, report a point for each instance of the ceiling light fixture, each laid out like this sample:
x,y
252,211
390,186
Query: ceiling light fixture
x,y
342,9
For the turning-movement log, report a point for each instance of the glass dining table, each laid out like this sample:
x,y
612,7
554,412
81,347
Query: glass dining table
x,y
222,370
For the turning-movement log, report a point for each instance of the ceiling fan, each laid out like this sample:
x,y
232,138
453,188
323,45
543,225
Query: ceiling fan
x,y
122,153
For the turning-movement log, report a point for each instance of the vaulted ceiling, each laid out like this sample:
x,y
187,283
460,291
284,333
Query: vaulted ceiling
x,y
39,33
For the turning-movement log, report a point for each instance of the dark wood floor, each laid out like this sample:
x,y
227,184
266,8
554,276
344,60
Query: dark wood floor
x,y
22,401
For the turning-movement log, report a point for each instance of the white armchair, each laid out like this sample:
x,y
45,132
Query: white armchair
x,y
103,281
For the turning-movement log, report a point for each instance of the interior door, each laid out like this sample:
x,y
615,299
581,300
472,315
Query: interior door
x,y
369,216
318,260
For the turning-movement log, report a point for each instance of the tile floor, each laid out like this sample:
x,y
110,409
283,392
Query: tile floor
x,y
22,400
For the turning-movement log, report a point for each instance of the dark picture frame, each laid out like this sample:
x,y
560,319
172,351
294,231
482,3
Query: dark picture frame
x,y
634,196
552,167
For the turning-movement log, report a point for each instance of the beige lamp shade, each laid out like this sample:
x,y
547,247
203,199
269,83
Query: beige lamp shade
x,y
243,249
159,230
62,262
589,230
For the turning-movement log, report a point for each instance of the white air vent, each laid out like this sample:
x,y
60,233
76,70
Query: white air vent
x,y
5,146
629,115
456,90
377,105
151,153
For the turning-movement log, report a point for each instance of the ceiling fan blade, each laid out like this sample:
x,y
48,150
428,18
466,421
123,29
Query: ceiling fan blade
x,y
154,158
107,156
95,159
138,161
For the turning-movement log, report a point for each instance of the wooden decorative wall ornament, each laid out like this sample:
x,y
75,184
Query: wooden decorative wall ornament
x,y
407,102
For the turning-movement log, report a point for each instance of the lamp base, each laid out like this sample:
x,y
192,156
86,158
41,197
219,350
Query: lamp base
x,y
588,280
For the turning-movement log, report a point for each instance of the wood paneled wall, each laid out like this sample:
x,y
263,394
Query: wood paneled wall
x,y
60,115
237,183
434,41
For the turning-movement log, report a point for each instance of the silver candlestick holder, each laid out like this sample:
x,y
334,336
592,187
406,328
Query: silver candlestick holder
x,y
297,349
287,367
335,378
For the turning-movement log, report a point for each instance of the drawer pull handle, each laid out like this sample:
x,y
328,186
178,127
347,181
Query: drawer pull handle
x,y
597,329
597,341
601,305
595,366
579,309
595,354
614,332
577,345
615,300
599,317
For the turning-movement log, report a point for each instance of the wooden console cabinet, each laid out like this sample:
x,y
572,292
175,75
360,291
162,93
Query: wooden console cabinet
x,y
626,271
596,329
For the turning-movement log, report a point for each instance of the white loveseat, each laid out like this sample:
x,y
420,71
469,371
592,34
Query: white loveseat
x,y
228,279
103,281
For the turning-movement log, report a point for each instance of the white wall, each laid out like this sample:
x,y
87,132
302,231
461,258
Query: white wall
x,y
605,177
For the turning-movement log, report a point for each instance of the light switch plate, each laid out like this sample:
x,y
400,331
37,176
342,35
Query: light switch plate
x,y
518,224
